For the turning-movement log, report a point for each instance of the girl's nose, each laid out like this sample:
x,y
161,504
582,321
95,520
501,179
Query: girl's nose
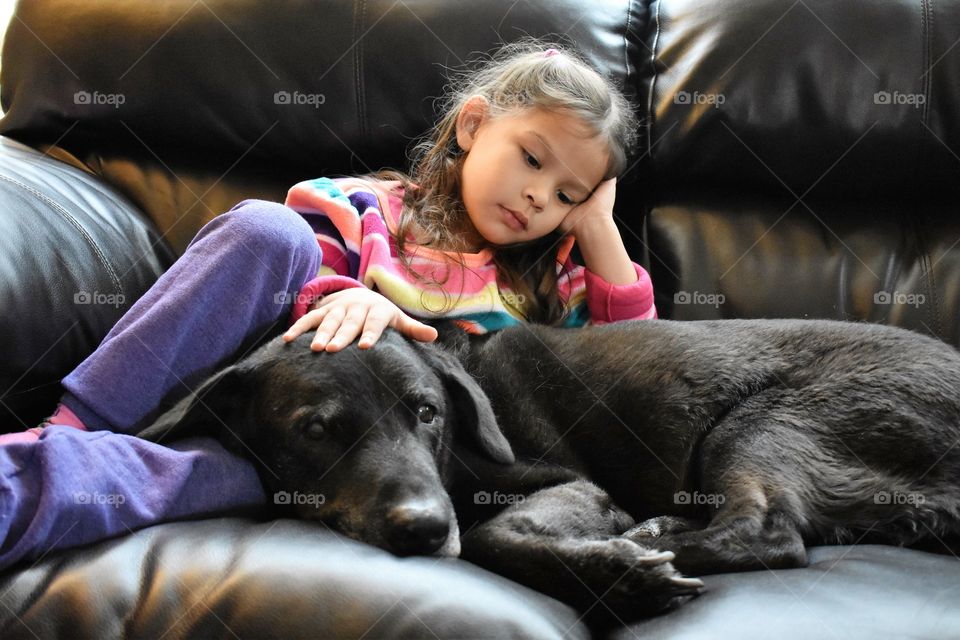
x,y
533,194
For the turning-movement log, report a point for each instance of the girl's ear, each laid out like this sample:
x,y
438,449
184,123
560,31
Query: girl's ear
x,y
472,115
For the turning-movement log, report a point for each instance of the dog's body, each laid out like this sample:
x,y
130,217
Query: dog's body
x,y
731,443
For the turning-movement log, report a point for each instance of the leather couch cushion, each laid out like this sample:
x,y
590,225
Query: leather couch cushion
x,y
853,99
866,591
231,577
178,101
720,255
76,256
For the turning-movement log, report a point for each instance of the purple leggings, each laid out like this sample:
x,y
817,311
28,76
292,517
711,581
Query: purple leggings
x,y
71,487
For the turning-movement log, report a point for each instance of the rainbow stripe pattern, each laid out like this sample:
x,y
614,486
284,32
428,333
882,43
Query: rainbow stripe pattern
x,y
353,219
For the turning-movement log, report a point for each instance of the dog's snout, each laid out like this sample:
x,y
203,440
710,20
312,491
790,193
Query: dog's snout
x,y
417,529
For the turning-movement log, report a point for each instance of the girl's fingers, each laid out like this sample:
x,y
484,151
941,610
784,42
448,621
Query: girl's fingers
x,y
330,325
308,321
339,322
349,328
415,329
378,319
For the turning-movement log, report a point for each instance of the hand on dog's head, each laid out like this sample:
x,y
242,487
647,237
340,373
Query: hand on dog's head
x,y
356,438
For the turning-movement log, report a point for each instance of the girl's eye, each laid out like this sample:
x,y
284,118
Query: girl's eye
x,y
533,162
426,413
564,198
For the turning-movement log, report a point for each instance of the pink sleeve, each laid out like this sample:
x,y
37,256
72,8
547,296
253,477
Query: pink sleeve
x,y
316,289
611,302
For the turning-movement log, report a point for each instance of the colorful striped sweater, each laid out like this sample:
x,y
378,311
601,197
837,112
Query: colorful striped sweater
x,y
353,219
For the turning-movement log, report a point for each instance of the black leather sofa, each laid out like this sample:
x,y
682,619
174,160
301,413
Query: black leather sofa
x,y
798,159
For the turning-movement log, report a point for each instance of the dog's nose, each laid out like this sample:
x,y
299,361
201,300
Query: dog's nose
x,y
417,529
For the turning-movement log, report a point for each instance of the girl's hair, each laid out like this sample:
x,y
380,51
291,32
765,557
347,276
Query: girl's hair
x,y
529,74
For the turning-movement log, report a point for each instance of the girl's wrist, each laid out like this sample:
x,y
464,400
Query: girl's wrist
x,y
603,252
593,229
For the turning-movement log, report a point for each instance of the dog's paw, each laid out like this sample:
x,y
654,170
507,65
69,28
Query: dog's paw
x,y
648,531
638,580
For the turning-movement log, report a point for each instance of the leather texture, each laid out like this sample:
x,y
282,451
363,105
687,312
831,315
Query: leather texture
x,y
802,159
865,591
235,578
797,159
76,255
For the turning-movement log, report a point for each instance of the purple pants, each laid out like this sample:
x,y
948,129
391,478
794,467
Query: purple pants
x,y
71,487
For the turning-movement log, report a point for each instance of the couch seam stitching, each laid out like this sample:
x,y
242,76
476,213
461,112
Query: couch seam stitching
x,y
653,82
626,45
926,261
358,66
73,221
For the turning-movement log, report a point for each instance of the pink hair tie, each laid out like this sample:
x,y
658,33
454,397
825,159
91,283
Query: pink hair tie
x,y
550,52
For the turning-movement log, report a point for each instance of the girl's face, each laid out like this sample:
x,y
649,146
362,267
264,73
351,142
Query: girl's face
x,y
524,171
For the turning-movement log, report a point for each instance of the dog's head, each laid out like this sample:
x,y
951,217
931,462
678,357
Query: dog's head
x,y
358,439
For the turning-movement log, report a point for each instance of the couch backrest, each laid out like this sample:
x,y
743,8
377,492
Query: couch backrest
x,y
218,101
797,158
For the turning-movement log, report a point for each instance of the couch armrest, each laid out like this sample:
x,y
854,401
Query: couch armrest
x,y
75,257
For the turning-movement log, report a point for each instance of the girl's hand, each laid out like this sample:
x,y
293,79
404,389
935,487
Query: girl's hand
x,y
341,317
599,206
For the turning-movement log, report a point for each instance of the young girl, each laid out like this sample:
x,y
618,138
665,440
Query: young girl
x,y
522,165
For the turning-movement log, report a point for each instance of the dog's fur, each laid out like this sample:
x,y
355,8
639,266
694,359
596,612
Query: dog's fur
x,y
732,444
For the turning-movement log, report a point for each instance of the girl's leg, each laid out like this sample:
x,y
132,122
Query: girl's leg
x,y
72,486
234,281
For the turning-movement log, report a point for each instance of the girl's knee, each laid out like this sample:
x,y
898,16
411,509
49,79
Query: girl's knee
x,y
269,227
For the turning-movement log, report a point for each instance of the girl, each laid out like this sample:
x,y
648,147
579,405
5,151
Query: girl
x,y
522,165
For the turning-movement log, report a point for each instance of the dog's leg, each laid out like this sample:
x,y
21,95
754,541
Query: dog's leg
x,y
749,531
754,487
565,541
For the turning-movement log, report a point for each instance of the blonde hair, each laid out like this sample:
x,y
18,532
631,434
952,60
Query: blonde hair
x,y
528,74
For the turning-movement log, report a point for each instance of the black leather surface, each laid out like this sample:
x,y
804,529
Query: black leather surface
x,y
74,256
803,161
286,579
799,111
724,256
865,591
195,125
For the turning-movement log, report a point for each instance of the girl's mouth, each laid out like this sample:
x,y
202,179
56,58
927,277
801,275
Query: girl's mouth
x,y
514,220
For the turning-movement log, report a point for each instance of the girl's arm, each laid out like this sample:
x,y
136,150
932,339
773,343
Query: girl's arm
x,y
603,252
616,287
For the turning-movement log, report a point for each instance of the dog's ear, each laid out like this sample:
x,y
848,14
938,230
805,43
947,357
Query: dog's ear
x,y
471,404
203,412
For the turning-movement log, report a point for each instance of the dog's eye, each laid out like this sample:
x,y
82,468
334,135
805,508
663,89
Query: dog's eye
x,y
426,413
314,430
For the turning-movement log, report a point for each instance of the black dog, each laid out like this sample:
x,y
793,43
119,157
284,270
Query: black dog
x,y
732,443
